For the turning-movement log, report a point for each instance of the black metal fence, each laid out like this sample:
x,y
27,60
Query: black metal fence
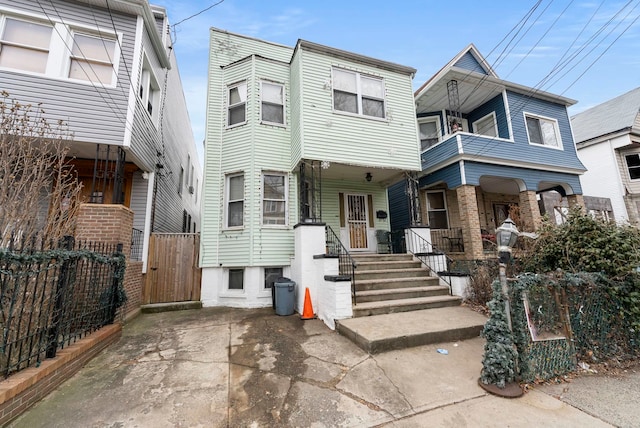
x,y
136,244
54,295
346,264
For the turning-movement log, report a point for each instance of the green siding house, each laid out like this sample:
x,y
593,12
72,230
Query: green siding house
x,y
301,144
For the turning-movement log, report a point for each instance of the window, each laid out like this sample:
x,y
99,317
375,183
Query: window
x,y
180,181
272,95
437,209
429,132
358,93
237,97
235,200
271,275
25,45
92,59
274,199
149,90
486,125
236,279
543,131
633,166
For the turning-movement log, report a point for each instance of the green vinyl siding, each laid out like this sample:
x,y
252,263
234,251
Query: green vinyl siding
x,y
337,137
296,101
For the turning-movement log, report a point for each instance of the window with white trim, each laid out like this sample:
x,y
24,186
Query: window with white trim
x,y
235,200
274,199
633,165
149,90
437,209
429,132
237,99
25,45
92,59
486,125
272,102
358,93
543,131
271,275
236,279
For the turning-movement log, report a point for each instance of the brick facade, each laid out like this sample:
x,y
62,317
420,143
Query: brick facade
x,y
106,223
470,222
529,212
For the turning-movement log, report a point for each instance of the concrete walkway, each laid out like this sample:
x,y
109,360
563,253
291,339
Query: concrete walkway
x,y
251,368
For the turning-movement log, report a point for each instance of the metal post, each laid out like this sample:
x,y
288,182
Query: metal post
x,y
115,284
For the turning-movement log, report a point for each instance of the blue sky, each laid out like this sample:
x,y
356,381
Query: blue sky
x,y
599,39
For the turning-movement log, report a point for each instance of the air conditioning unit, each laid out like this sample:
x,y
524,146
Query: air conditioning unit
x,y
191,189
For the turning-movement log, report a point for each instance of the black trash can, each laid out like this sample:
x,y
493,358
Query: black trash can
x,y
285,296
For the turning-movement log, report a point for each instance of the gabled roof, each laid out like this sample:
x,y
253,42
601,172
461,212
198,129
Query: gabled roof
x,y
617,114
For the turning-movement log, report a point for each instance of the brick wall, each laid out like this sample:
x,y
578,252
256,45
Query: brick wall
x,y
133,282
105,223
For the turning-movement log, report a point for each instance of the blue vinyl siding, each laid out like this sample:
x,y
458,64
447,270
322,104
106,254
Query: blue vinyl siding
x,y
531,177
468,62
449,175
398,206
439,153
496,104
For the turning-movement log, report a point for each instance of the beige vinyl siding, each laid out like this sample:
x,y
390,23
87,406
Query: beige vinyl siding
x,y
633,186
351,139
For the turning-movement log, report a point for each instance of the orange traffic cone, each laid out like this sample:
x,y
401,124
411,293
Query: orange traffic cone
x,y
307,310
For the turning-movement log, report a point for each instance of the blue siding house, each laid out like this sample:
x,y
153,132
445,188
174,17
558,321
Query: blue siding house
x,y
489,148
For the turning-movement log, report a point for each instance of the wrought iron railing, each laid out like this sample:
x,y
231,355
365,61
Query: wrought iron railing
x,y
137,242
52,296
433,258
346,264
449,240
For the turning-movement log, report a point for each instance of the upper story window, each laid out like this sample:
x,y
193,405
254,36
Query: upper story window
x,y
237,96
235,200
25,45
274,199
429,132
633,165
58,50
486,125
358,93
272,102
149,90
437,210
543,131
92,59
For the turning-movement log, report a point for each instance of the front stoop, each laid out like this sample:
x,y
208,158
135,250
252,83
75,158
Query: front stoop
x,y
387,332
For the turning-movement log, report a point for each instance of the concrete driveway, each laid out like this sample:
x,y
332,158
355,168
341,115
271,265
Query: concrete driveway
x,y
251,368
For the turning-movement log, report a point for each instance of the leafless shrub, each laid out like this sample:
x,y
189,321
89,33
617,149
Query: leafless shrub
x,y
39,189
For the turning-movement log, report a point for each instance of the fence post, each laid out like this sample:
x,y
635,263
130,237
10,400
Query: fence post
x,y
115,284
63,279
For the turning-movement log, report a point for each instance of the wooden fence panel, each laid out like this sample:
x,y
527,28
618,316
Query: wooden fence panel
x,y
173,274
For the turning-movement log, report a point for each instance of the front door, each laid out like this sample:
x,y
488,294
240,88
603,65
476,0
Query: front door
x,y
357,221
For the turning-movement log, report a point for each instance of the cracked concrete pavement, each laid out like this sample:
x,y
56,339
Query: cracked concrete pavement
x,y
225,367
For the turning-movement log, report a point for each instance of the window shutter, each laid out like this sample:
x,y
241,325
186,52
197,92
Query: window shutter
x,y
341,196
370,203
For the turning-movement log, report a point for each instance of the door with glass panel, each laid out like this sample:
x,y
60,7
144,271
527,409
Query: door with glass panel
x,y
357,221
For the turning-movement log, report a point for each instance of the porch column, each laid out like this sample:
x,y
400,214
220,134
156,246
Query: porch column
x,y
576,200
529,212
470,220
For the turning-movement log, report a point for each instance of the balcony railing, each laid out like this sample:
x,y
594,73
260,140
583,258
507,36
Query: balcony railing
x,y
448,240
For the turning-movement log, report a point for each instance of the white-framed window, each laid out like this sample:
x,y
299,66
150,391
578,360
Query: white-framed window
x,y
358,93
543,131
271,275
149,90
25,45
437,209
237,98
92,59
486,125
633,165
236,279
235,200
430,133
272,103
274,199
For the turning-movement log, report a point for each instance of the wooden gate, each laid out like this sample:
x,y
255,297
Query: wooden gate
x,y
173,274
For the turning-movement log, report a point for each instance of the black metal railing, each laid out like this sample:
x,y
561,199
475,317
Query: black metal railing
x,y
52,296
430,256
449,240
137,242
346,264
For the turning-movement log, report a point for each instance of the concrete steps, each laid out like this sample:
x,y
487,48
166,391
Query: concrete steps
x,y
401,293
404,305
387,332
